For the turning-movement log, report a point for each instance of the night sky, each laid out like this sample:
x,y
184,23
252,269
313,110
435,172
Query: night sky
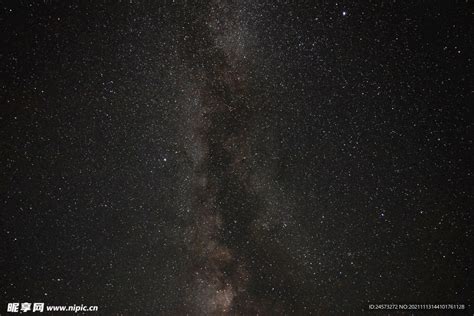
x,y
236,157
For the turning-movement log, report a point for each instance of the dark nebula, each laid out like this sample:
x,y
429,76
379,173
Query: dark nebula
x,y
236,157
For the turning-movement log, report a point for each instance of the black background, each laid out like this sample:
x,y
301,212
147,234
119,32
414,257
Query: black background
x,y
358,122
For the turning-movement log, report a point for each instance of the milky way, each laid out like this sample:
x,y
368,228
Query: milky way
x,y
218,114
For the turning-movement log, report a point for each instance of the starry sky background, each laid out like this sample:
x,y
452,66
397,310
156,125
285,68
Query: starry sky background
x,y
236,157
